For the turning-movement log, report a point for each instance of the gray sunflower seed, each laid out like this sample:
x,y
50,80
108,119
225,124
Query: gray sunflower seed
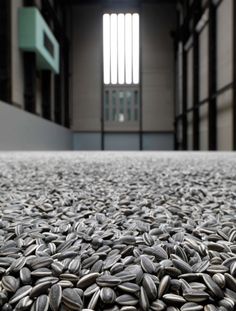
x,y
39,289
20,293
108,281
172,298
71,299
212,286
129,287
107,295
10,283
158,305
127,300
42,303
90,290
25,276
150,286
163,286
146,264
196,296
143,300
55,296
191,306
87,280
93,302
219,278
24,303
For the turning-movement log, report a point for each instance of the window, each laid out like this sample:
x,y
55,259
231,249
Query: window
x,y
48,44
121,48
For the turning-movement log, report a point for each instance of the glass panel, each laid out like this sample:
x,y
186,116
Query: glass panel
x,y
121,101
135,48
106,99
113,105
114,53
136,106
121,48
128,48
128,103
106,48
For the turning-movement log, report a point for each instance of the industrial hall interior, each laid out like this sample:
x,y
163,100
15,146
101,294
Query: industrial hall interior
x,y
117,75
117,155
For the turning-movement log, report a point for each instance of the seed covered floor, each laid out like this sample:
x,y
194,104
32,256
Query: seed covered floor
x,y
117,231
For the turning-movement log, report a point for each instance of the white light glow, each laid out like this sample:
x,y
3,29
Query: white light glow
x,y
128,48
106,48
135,48
121,49
114,50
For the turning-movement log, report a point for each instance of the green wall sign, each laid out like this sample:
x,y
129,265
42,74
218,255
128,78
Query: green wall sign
x,y
36,36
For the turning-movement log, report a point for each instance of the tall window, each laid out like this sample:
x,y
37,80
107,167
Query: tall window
x,y
121,49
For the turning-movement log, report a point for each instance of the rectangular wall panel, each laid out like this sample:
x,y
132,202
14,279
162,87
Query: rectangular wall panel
x,y
224,43
225,121
203,127
16,57
190,130
203,64
157,70
86,67
87,141
158,141
179,77
190,78
121,141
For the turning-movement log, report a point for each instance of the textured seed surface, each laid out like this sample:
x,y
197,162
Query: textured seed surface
x,y
117,231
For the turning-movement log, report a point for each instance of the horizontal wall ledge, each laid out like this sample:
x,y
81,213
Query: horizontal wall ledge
x,y
21,130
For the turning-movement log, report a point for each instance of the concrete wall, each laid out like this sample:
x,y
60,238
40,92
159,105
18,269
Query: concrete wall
x,y
203,86
86,39
157,76
225,74
17,70
203,127
20,130
224,77
123,141
190,131
190,98
157,66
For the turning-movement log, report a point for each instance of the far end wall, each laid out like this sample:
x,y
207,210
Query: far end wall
x,y
157,80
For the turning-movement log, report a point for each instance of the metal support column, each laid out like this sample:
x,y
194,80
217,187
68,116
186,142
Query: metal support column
x,y
46,94
184,119
212,129
5,51
30,81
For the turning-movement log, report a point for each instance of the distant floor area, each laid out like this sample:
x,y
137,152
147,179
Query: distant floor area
x,y
117,231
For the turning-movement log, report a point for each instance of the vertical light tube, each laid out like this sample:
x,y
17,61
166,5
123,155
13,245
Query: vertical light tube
x,y
128,48
114,50
106,49
121,48
135,48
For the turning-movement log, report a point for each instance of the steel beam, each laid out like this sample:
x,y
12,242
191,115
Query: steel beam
x,y
196,17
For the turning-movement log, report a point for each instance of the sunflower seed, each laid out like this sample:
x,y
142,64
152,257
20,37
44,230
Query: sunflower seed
x,y
55,296
107,295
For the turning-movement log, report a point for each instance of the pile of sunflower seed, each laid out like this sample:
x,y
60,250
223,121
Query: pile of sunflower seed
x,y
117,231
